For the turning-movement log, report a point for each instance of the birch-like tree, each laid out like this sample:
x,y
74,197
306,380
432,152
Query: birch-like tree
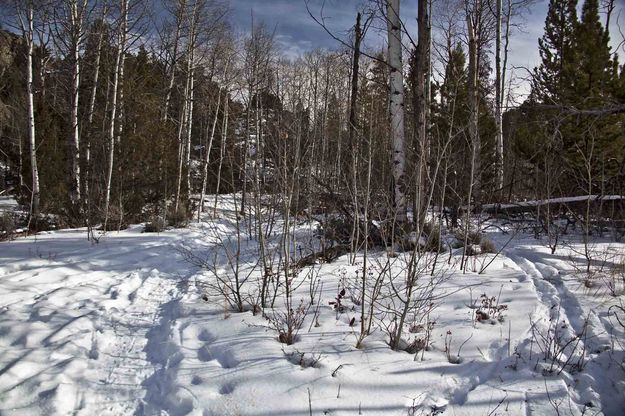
x,y
25,11
396,108
122,33
72,17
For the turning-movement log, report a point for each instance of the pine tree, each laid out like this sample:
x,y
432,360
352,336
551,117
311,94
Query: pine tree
x,y
555,75
595,73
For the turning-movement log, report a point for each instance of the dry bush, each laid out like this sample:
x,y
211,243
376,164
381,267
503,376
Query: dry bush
x,y
433,233
304,360
474,237
156,224
179,218
116,219
487,246
616,275
8,225
288,323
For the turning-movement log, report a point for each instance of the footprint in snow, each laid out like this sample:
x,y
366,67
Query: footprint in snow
x,y
206,336
227,388
204,353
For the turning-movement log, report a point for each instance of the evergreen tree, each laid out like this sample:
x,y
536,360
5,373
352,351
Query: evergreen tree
x,y
553,79
595,73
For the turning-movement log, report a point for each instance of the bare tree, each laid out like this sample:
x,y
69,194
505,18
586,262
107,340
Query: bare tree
x,y
72,17
117,74
499,83
25,12
396,108
179,15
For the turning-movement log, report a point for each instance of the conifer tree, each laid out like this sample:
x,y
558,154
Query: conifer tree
x,y
555,75
595,73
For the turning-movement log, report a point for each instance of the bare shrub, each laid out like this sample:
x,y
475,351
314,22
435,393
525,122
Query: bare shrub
x,y
288,323
487,246
8,225
561,347
474,237
616,276
453,358
490,310
433,241
303,359
156,224
179,218
116,219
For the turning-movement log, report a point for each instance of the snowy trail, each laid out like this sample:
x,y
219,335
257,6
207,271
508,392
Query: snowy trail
x,y
80,323
123,328
560,293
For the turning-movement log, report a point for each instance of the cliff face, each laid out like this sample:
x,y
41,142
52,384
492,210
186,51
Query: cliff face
x,y
8,48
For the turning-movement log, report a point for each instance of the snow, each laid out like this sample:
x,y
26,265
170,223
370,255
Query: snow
x,y
7,203
122,327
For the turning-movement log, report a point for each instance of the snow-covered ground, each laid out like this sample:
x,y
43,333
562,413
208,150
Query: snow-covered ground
x,y
122,327
7,203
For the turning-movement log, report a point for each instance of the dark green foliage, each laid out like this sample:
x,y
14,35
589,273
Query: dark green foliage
x,y
554,77
561,152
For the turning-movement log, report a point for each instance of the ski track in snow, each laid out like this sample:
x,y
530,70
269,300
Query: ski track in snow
x,y
554,287
83,322
119,328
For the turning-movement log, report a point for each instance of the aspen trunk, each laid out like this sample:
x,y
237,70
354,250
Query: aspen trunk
x,y
498,100
207,159
28,32
182,4
91,111
119,61
421,106
76,15
472,22
222,149
396,109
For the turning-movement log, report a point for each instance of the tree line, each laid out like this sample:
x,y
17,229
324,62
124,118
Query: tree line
x,y
114,112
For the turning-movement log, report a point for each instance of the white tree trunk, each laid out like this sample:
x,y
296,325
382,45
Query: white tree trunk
x,y
76,15
29,33
181,147
498,100
396,108
94,92
207,159
473,90
116,76
222,149
190,127
180,11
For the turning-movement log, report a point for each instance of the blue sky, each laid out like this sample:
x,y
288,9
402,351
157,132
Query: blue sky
x,y
296,32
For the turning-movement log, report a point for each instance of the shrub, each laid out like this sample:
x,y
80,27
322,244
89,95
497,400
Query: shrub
x,y
337,229
178,218
116,219
474,237
288,323
457,243
487,246
8,224
434,242
304,360
156,224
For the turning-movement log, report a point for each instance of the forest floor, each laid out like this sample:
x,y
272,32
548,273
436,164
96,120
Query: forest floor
x,y
122,327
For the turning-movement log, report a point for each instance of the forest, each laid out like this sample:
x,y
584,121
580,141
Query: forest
x,y
112,115
350,203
